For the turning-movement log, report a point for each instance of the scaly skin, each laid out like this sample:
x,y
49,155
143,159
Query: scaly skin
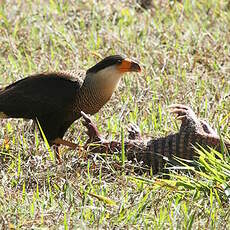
x,y
155,152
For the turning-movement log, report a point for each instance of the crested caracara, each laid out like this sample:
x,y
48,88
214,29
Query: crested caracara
x,y
56,99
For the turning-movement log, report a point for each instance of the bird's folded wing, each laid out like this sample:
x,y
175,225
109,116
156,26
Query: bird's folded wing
x,y
38,95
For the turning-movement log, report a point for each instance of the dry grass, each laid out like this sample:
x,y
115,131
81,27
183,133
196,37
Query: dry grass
x,y
184,50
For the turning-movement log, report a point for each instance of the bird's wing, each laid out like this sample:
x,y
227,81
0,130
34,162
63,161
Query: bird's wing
x,y
40,94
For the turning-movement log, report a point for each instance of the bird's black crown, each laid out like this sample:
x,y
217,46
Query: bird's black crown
x,y
106,62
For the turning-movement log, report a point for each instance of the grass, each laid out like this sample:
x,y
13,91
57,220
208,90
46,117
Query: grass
x,y
183,47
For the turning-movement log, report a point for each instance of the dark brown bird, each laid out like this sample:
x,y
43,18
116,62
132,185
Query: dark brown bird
x,y
57,99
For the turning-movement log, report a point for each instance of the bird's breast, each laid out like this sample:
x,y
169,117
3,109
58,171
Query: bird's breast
x,y
93,99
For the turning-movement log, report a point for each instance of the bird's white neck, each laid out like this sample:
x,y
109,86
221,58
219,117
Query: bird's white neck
x,y
100,87
107,78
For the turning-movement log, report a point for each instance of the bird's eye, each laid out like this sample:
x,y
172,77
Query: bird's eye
x,y
119,61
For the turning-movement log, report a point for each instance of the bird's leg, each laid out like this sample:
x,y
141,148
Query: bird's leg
x,y
60,141
57,153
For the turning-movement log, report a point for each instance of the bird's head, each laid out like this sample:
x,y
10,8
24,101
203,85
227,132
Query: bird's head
x,y
109,71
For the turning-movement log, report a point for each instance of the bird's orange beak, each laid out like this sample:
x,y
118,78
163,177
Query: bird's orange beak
x,y
128,65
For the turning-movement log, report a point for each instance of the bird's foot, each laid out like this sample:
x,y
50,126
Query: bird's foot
x,y
60,141
57,154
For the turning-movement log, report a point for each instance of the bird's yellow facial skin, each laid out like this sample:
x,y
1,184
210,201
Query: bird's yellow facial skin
x,y
128,65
